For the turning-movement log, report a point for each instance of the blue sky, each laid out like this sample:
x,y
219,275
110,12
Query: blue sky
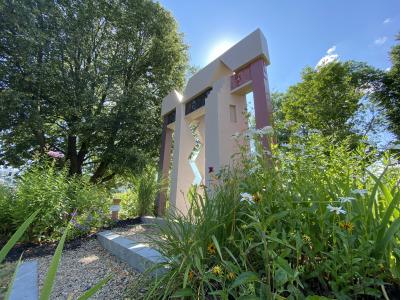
x,y
299,33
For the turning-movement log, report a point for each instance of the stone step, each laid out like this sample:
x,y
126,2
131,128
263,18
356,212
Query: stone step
x,y
138,255
25,285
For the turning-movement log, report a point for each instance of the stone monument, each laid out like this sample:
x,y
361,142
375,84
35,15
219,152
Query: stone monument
x,y
206,115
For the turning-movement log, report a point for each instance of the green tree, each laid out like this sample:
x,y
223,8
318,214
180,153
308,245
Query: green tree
x,y
86,78
328,97
388,93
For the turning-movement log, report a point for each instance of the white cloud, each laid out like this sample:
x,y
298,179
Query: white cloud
x,y
331,50
330,56
387,20
381,40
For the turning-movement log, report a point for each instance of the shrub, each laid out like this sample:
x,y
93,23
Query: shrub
x,y
146,188
128,204
140,194
310,220
59,197
6,200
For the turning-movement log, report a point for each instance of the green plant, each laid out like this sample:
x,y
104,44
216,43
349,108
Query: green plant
x,y
7,197
146,188
51,275
313,218
44,185
129,203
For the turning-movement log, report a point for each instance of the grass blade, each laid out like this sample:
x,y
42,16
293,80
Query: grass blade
x,y
89,293
244,278
51,273
382,243
16,236
10,286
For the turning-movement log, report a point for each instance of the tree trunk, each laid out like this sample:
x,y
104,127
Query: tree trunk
x,y
72,156
100,171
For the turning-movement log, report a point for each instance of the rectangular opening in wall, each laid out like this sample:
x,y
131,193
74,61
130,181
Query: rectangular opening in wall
x,y
232,112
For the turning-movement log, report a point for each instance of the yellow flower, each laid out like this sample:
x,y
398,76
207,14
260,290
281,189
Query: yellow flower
x,y
231,276
347,226
257,197
211,248
217,270
191,275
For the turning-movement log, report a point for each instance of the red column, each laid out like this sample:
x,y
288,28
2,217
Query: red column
x,y
262,98
165,158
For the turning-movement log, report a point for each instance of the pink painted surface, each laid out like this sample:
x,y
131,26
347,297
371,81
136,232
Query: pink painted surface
x,y
262,100
240,78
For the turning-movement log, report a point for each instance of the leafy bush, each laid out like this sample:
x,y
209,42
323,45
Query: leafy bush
x,y
6,200
46,187
139,199
313,219
146,189
128,204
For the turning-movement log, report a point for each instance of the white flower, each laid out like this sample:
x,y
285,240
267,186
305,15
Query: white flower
x,y
286,145
289,124
337,210
247,198
236,135
254,169
254,154
265,130
346,199
359,192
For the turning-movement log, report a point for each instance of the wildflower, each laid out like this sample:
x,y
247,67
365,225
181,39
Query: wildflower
x,y
55,154
191,275
246,197
347,226
217,270
236,135
337,210
359,192
231,276
211,248
346,199
306,238
254,169
290,124
257,197
265,130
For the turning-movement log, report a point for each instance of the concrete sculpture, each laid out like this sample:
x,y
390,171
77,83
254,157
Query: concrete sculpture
x,y
207,114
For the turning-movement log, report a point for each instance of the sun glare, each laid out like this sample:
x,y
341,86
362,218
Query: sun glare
x,y
219,49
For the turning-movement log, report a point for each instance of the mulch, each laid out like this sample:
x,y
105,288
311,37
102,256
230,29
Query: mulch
x,y
32,250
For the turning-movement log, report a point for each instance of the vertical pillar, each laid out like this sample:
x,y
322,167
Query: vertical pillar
x,y
182,175
262,98
165,158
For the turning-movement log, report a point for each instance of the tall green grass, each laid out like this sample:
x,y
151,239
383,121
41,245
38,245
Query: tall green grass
x,y
319,222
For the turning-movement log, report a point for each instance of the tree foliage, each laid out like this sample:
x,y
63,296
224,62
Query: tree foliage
x,y
388,94
86,78
328,97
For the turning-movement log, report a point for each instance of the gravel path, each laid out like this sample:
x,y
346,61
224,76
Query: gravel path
x,y
142,233
84,266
